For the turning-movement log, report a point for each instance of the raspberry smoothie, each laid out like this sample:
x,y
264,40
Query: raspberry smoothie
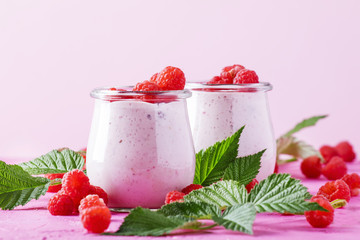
x,y
217,111
139,151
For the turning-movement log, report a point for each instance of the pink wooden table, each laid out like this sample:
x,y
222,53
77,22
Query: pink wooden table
x,y
33,221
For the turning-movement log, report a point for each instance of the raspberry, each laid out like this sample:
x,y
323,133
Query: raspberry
x,y
76,185
174,196
60,204
353,181
116,96
191,188
219,80
62,191
100,192
276,169
251,185
226,78
90,201
82,152
320,219
311,167
170,78
345,150
146,86
246,76
115,89
154,77
236,68
96,219
328,152
228,73
335,190
54,188
334,169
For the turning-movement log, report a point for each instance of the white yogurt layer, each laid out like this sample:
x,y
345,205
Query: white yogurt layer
x,y
215,116
139,151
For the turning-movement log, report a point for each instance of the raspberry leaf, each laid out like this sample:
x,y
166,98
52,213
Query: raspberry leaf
x,y
289,145
296,207
191,210
144,222
238,218
244,169
294,147
212,162
56,181
304,124
276,189
221,194
19,187
54,162
277,193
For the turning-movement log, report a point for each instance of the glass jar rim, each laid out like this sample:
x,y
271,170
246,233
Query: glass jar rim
x,y
125,92
248,87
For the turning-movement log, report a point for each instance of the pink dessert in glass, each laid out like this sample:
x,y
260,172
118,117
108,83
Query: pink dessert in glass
x,y
140,150
217,111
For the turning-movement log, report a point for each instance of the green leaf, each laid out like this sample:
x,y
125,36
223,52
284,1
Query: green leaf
x,y
244,169
277,193
296,207
282,143
288,160
277,188
212,162
295,148
305,123
221,194
238,218
144,222
192,210
18,187
54,162
56,181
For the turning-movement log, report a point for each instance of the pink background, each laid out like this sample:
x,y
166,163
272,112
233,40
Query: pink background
x,y
52,53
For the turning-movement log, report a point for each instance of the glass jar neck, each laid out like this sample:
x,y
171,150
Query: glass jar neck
x,y
125,93
252,87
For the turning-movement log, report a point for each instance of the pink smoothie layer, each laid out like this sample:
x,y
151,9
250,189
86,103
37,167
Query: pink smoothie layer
x,y
33,221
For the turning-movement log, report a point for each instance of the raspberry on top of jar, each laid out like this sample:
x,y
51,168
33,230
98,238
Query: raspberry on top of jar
x,y
235,74
168,79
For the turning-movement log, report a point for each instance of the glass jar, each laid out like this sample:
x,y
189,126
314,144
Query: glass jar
x,y
218,111
140,146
